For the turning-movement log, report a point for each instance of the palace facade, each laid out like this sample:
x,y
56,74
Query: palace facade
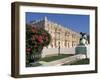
x,y
62,37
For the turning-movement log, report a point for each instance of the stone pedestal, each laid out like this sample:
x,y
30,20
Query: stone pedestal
x,y
81,49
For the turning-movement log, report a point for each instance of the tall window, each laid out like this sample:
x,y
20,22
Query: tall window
x,y
68,44
72,43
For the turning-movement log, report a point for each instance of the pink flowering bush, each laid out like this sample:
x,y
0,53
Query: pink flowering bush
x,y
36,39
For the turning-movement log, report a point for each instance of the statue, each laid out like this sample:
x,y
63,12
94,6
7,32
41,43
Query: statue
x,y
83,39
82,47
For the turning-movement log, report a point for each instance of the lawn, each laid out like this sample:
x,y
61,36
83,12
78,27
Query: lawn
x,y
33,65
48,59
53,58
80,62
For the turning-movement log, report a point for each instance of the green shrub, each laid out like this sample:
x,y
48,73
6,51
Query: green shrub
x,y
36,39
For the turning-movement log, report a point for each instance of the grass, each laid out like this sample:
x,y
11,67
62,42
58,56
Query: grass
x,y
48,59
33,65
53,58
80,62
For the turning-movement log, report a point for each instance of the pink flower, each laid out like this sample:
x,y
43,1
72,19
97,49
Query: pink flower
x,y
36,36
33,38
46,38
34,30
28,49
40,39
43,34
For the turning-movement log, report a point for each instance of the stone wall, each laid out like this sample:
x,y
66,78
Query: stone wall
x,y
54,51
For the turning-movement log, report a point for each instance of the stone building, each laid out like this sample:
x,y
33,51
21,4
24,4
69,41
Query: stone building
x,y
62,37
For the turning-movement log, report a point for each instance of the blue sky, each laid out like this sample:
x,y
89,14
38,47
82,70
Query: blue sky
x,y
79,23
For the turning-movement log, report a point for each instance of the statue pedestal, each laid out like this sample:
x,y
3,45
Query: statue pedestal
x,y
82,49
